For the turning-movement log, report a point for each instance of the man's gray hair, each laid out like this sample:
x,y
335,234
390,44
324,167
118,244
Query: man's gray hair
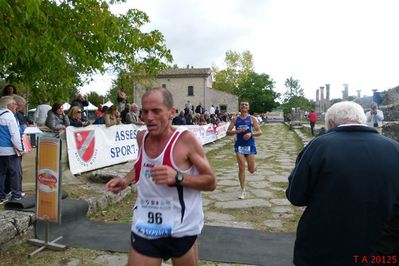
x,y
19,99
345,113
6,100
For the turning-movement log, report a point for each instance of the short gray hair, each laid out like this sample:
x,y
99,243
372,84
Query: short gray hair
x,y
345,113
166,94
6,100
19,99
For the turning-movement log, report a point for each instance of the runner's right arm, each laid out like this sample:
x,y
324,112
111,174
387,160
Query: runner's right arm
x,y
230,131
116,185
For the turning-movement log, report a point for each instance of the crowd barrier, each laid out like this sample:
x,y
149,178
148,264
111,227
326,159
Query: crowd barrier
x,y
98,146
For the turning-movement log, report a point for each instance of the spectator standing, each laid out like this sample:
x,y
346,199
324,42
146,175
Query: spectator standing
x,y
40,114
312,120
121,98
9,90
199,109
348,181
81,102
10,148
212,110
217,111
20,113
125,112
75,117
56,119
375,117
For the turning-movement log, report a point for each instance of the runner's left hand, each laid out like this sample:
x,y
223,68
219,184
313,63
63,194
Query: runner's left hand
x,y
163,174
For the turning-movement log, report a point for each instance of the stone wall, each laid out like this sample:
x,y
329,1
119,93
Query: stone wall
x,y
391,96
391,112
391,130
15,227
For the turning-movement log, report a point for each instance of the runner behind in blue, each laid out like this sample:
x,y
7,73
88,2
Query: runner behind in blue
x,y
245,127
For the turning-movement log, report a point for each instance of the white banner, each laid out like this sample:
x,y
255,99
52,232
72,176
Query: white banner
x,y
97,146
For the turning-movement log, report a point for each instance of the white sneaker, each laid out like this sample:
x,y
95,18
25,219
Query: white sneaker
x,y
242,196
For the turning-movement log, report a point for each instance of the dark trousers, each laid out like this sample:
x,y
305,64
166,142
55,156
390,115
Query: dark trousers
x,y
312,127
10,176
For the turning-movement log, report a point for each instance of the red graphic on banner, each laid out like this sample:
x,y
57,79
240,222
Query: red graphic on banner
x,y
85,143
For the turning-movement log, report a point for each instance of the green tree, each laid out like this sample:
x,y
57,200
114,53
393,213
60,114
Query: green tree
x,y
293,89
53,46
238,67
258,90
298,102
94,98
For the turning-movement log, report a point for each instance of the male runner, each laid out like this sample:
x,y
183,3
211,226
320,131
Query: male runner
x,y
245,128
170,172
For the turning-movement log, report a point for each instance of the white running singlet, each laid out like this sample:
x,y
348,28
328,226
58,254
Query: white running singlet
x,y
161,210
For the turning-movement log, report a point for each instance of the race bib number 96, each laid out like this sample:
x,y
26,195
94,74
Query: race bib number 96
x,y
154,218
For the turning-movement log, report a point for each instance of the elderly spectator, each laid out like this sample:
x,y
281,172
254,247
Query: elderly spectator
x,y
75,117
180,119
112,117
10,147
133,116
40,114
348,181
20,113
56,119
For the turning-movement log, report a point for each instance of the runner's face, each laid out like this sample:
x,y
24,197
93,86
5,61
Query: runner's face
x,y
244,106
155,114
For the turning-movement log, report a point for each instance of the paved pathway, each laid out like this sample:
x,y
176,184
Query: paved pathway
x,y
265,206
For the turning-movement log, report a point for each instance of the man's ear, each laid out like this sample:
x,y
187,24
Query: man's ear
x,y
172,113
331,124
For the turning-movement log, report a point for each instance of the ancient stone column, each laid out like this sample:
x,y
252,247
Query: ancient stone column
x,y
327,105
345,92
322,101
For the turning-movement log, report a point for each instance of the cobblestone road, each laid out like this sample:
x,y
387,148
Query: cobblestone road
x,y
265,206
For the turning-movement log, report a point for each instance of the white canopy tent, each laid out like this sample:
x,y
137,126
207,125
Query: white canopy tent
x,y
108,104
90,107
66,106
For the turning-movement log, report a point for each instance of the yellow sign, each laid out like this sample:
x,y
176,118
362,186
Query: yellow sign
x,y
48,185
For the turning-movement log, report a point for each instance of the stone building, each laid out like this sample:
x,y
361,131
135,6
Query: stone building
x,y
192,85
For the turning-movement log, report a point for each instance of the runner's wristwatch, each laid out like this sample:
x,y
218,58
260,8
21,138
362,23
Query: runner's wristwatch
x,y
179,178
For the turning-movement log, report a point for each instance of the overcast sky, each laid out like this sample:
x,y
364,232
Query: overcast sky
x,y
315,41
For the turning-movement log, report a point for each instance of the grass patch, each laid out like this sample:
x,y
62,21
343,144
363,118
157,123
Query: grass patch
x,y
119,212
18,255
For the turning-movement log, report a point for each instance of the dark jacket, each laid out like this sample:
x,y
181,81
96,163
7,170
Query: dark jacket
x,y
388,242
349,180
